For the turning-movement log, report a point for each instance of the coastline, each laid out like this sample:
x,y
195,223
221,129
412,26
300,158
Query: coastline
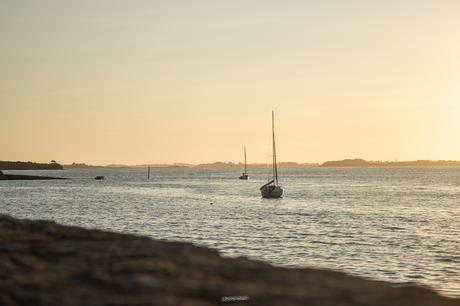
x,y
15,177
22,165
345,163
44,263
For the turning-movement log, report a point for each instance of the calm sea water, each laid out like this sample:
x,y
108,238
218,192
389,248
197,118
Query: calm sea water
x,y
398,225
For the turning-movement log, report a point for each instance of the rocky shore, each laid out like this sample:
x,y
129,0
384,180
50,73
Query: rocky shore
x,y
15,177
44,263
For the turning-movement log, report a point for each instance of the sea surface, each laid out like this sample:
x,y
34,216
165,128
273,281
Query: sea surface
x,y
397,225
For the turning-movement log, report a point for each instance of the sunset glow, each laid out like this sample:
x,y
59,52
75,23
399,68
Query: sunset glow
x,y
161,82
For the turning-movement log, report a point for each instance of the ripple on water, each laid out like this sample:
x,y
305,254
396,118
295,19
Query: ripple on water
x,y
356,220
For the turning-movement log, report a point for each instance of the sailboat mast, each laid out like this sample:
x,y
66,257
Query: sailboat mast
x,y
245,166
275,168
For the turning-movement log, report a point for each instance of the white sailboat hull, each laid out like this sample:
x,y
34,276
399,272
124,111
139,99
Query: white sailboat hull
x,y
271,191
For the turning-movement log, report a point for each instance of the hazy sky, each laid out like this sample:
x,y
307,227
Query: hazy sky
x,y
194,81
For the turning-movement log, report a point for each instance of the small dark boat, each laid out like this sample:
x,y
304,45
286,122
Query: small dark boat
x,y
244,176
100,177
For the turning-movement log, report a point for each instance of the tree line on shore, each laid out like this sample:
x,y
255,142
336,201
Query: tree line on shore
x,y
53,165
19,165
358,162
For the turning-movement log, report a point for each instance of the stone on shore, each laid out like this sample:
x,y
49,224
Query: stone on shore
x,y
43,263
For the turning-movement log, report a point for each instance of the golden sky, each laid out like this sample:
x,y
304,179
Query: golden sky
x,y
194,81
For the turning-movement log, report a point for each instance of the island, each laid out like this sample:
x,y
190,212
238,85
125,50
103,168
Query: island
x,y
19,165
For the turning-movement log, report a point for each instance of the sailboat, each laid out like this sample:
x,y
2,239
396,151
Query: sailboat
x,y
272,189
245,175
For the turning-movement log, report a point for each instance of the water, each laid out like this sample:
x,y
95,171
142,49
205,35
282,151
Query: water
x,y
398,225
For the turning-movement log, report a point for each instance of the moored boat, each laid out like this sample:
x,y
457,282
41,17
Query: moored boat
x,y
245,175
272,189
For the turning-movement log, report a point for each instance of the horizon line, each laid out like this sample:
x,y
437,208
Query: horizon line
x,y
230,163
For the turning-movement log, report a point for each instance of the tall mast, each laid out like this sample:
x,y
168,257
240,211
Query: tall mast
x,y
275,168
245,167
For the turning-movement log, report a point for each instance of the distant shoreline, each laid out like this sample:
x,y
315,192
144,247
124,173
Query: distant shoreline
x,y
361,163
346,163
20,165
16,177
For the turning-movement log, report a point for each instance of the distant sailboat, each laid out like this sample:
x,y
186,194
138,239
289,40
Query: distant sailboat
x,y
272,189
245,175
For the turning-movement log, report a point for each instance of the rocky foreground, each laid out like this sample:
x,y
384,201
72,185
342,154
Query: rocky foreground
x,y
43,263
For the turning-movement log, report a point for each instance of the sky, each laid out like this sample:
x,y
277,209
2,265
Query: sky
x,y
137,82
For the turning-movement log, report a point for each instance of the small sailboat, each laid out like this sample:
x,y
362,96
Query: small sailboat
x,y
245,175
272,189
